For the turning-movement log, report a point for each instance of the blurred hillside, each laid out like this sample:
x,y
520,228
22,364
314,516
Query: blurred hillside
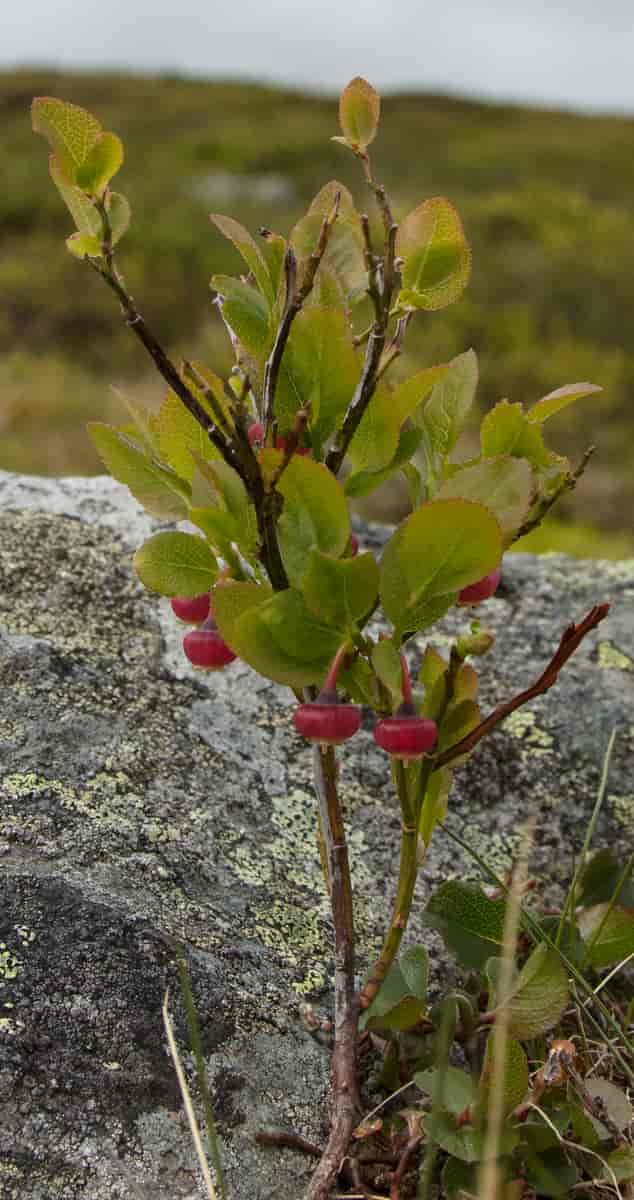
x,y
546,198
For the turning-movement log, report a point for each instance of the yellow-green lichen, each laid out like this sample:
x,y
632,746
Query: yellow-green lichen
x,y
497,850
30,784
522,724
623,809
10,965
9,1027
11,731
610,657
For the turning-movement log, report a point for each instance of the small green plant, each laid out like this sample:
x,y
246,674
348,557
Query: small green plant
x,y
264,464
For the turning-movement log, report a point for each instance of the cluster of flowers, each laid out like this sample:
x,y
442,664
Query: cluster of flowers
x,y
327,720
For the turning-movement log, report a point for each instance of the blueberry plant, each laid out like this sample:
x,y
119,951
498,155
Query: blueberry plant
x,y
264,465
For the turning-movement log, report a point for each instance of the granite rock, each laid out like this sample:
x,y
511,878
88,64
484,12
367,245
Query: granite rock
x,y
143,803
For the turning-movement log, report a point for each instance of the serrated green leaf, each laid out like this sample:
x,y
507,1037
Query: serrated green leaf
x,y
386,661
176,564
319,371
101,163
340,591
273,250
245,311
507,430
560,398
459,1089
514,1077
344,252
439,549
376,438
443,416
504,484
361,483
315,516
246,245
469,922
84,245
539,996
359,110
181,436
70,131
159,489
608,934
436,257
414,964
282,640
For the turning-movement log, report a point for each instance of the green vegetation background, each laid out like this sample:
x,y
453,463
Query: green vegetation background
x,y
546,199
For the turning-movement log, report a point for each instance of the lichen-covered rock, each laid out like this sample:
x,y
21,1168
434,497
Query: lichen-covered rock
x,y
142,803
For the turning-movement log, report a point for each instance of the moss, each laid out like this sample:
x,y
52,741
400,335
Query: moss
x,y
611,657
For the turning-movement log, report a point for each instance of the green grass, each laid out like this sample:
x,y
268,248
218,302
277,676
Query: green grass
x,y
545,197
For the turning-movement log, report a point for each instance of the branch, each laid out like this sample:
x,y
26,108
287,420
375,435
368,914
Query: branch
x,y
570,640
569,483
296,294
396,344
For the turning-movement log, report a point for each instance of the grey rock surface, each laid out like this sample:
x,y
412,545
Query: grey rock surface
x,y
141,802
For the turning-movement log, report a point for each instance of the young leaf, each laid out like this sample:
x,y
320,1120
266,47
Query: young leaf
x,y
436,257
359,109
361,483
159,489
507,430
462,716
609,934
539,996
504,484
70,131
81,209
84,245
561,398
412,393
387,665
432,668
176,564
469,922
246,314
250,251
344,252
119,214
376,439
443,417
340,591
315,516
103,161
319,370
439,549
181,436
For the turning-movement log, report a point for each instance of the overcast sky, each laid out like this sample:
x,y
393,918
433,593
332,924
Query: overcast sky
x,y
577,53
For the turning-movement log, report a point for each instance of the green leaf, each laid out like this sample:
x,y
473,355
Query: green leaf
x,y
246,313
465,1142
319,370
360,683
340,591
231,517
84,245
232,600
504,484
539,996
437,259
181,436
81,209
466,683
459,1089
103,161
507,430
119,214
176,564
401,1000
561,398
283,641
359,110
443,417
461,717
315,516
159,489
70,131
376,439
621,1164
246,245
514,1077
599,880
363,482
432,668
609,934
344,252
550,1173
386,661
614,1102
459,1179
434,806
439,549
469,922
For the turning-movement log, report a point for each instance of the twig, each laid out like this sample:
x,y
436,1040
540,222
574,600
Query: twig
x,y
570,639
293,1141
379,192
296,294
568,484
344,1066
403,1163
395,347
